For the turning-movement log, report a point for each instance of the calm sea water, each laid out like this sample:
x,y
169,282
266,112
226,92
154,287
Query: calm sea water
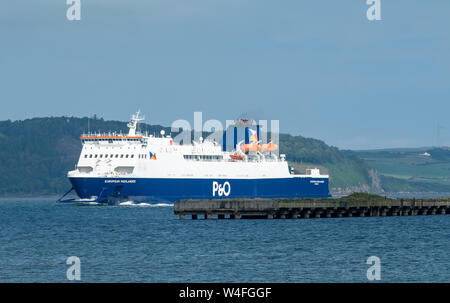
x,y
150,244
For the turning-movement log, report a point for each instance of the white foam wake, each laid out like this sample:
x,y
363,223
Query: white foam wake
x,y
163,205
132,203
87,200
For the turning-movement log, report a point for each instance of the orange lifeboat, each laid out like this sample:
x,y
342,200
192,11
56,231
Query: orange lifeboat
x,y
250,147
270,147
236,156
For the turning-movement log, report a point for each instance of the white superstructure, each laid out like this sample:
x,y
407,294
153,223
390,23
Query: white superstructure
x,y
141,155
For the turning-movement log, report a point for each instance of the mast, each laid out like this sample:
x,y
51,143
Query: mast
x,y
132,125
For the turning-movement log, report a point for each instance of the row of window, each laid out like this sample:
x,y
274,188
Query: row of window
x,y
111,140
203,157
144,156
109,156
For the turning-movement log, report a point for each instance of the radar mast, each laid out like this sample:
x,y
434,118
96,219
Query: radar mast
x,y
132,125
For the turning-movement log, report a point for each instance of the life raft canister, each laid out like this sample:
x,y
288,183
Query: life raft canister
x,y
237,157
250,147
270,147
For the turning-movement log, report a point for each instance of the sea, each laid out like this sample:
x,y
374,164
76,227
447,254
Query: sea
x,y
39,239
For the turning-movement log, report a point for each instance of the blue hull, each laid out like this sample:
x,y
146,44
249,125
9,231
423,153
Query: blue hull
x,y
157,190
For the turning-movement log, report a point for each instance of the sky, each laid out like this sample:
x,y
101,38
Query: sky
x,y
319,67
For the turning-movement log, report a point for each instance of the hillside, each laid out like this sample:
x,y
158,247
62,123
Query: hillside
x,y
347,172
410,169
35,155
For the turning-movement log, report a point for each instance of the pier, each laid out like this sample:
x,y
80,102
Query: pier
x,y
356,205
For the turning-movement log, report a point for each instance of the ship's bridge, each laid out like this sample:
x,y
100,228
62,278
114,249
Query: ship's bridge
x,y
133,136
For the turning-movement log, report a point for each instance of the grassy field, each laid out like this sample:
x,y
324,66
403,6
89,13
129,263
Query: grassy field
x,y
415,169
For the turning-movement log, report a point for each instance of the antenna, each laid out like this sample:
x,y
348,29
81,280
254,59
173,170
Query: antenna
x,y
132,125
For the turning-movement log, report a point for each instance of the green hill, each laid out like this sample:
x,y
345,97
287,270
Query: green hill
x,y
348,173
35,155
410,169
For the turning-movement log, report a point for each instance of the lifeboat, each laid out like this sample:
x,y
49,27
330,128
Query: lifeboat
x,y
250,147
237,156
270,147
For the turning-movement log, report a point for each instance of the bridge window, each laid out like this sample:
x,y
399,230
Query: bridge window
x,y
90,156
203,157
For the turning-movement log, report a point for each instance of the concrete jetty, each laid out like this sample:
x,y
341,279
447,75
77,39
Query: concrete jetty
x,y
356,205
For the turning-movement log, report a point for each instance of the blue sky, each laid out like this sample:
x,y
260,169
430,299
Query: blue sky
x,y
320,67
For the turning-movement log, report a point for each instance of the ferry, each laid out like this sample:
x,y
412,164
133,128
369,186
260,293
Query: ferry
x,y
141,167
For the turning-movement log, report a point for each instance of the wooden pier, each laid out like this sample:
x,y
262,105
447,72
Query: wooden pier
x,y
356,205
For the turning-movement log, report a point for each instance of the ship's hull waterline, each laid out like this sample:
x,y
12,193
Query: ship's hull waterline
x,y
170,190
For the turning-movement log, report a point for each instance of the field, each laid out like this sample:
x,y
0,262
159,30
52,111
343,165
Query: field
x,y
415,169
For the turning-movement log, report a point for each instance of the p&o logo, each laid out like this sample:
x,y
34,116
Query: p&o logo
x,y
221,189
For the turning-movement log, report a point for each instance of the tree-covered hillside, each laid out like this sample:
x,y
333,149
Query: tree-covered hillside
x,y
347,172
35,155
